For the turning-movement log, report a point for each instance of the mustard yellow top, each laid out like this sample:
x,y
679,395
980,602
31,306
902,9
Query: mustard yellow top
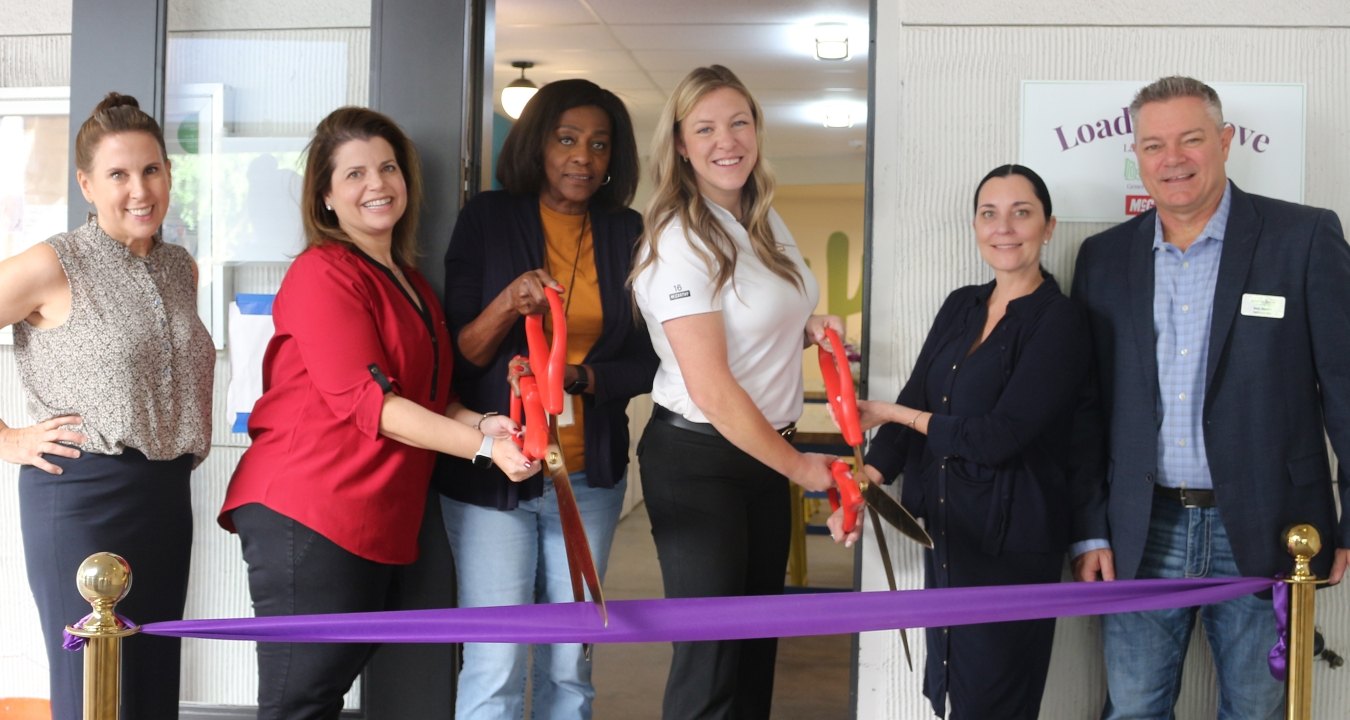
x,y
570,259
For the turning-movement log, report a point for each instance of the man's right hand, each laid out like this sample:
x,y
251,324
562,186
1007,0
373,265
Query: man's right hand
x,y
1095,565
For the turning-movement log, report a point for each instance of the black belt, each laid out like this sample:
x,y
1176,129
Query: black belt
x,y
1188,497
677,420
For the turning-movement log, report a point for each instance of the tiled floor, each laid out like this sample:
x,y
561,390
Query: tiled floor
x,y
812,675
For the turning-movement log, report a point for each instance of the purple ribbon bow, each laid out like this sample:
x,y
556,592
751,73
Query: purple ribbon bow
x,y
1279,655
75,643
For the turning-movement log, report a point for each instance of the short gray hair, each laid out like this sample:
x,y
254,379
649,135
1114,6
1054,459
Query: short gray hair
x,y
1178,86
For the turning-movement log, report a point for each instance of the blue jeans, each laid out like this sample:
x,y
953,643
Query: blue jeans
x,y
517,557
1145,651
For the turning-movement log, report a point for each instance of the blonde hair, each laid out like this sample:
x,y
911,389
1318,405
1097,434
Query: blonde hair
x,y
677,197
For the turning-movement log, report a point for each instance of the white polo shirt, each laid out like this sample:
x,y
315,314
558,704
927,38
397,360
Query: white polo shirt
x,y
764,316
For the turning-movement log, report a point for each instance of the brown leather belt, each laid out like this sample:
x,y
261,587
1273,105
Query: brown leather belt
x,y
671,417
1188,497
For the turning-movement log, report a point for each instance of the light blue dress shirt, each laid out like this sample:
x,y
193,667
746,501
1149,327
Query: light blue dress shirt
x,y
1183,305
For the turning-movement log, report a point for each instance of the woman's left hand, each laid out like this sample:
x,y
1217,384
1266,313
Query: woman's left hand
x,y
836,522
872,413
815,329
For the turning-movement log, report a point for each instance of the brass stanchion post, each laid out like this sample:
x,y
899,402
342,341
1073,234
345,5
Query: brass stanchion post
x,y
1303,542
103,579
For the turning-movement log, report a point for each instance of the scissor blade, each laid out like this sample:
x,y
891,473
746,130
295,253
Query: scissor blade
x,y
579,558
890,573
896,514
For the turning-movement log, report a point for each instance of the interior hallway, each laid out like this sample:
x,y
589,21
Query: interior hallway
x,y
813,672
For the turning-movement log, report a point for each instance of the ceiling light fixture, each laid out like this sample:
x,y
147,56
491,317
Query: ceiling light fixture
x,y
832,41
837,116
519,92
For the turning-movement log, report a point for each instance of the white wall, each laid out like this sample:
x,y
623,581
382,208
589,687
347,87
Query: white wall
x,y
947,111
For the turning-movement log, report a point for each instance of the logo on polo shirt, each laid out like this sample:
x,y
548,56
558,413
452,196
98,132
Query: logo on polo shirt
x,y
680,293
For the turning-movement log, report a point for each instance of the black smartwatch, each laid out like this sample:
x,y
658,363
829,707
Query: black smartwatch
x,y
578,386
483,458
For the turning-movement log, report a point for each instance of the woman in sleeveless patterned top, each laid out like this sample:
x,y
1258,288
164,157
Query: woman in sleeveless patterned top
x,y
117,370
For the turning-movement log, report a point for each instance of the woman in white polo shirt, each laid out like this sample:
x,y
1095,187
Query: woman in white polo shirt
x,y
728,301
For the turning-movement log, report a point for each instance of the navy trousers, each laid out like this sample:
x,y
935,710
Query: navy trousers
x,y
293,570
125,504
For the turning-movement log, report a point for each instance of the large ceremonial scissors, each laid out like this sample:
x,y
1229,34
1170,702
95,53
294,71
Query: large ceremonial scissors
x,y
537,391
853,489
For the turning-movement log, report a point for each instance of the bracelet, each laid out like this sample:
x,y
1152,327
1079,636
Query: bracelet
x,y
479,425
915,419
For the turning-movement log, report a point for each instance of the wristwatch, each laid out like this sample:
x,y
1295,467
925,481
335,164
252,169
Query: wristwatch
x,y
483,458
578,386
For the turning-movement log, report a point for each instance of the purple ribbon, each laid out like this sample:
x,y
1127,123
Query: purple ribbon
x,y
75,643
725,618
1279,655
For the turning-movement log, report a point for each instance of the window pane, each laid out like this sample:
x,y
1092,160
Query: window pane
x,y
240,106
34,165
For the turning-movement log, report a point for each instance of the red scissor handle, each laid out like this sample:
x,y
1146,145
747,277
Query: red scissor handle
x,y
548,361
536,422
847,487
525,400
839,388
516,410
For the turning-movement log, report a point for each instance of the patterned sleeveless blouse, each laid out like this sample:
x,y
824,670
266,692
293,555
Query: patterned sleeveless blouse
x,y
133,359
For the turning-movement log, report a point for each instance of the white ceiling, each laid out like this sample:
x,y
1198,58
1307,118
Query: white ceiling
x,y
640,49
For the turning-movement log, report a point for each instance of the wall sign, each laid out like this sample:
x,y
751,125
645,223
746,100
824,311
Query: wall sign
x,y
1079,137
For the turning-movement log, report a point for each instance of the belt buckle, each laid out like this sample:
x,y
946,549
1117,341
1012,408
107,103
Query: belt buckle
x,y
1186,496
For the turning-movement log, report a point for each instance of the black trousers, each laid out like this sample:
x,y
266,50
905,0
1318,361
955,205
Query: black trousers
x,y
721,521
125,504
293,570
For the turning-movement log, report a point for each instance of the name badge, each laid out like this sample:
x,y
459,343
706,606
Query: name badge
x,y
566,418
1264,306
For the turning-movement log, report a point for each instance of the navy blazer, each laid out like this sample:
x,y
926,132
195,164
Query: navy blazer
x,y
1022,450
1274,388
499,236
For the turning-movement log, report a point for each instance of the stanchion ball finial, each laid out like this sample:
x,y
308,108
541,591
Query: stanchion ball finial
x,y
104,577
1303,541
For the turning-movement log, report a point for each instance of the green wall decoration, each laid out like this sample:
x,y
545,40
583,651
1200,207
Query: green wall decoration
x,y
840,299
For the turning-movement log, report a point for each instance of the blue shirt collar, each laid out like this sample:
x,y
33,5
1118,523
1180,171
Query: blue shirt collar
x,y
1214,230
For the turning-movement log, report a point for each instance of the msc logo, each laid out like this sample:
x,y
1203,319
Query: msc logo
x,y
1136,204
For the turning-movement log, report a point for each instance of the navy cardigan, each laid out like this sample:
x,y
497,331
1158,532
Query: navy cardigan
x,y
498,236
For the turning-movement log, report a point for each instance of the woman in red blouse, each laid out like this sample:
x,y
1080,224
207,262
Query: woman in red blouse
x,y
356,402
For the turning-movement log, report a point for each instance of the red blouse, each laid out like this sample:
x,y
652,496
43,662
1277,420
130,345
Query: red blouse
x,y
317,456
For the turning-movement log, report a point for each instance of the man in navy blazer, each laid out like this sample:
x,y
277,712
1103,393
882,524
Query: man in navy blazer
x,y
1221,328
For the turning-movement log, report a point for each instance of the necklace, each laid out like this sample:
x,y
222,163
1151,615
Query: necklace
x,y
576,260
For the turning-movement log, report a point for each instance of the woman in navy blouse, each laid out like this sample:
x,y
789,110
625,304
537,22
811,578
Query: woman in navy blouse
x,y
981,432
